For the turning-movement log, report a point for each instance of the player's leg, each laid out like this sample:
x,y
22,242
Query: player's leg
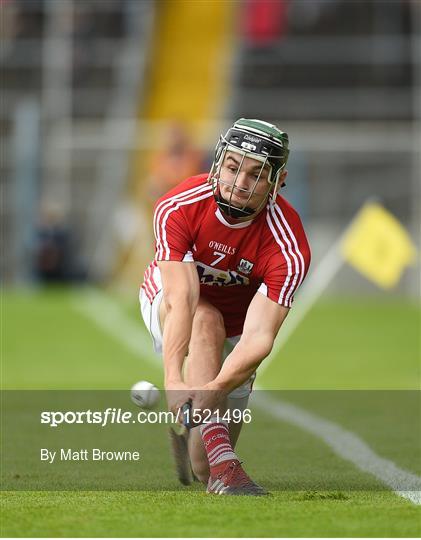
x,y
238,399
228,477
204,358
202,365
204,362
219,437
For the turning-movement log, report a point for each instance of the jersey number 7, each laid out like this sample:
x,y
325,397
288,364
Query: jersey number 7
x,y
220,256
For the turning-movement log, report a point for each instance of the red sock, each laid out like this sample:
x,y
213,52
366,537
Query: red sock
x,y
215,436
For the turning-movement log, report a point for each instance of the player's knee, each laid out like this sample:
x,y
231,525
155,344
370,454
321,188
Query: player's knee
x,y
208,319
200,468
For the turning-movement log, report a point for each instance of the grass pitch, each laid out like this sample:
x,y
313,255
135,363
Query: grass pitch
x,y
343,344
133,514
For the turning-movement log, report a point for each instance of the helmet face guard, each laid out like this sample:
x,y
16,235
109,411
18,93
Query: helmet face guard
x,y
257,140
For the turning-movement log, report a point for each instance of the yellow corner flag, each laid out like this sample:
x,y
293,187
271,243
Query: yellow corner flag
x,y
378,246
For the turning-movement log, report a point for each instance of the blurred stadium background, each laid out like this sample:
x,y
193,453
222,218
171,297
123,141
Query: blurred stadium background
x,y
107,104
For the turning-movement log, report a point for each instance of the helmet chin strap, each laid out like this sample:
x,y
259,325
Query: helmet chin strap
x,y
231,210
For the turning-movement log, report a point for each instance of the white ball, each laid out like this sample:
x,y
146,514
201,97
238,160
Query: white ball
x,y
145,394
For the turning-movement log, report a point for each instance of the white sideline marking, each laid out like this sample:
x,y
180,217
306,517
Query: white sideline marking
x,y
108,316
345,444
311,291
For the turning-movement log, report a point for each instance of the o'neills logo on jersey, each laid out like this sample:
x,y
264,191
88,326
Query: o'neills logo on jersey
x,y
223,248
245,266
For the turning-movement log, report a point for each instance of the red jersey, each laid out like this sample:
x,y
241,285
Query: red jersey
x,y
269,254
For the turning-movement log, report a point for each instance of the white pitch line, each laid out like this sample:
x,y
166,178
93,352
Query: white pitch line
x,y
311,291
345,444
108,316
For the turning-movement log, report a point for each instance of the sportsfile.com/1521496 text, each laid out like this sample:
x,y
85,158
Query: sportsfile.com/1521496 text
x,y
113,415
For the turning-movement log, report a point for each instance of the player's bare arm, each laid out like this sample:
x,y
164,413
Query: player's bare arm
x,y
263,321
181,296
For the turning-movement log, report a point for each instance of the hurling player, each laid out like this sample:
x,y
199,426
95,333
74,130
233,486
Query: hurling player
x,y
230,255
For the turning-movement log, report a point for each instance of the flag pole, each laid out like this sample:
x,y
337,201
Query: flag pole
x,y
325,271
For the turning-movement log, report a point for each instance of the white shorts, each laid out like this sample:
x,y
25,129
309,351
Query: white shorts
x,y
150,315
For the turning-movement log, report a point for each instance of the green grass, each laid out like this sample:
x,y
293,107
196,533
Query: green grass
x,y
342,344
353,344
181,514
47,343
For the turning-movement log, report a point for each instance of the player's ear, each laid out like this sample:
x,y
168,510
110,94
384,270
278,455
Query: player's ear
x,y
282,178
